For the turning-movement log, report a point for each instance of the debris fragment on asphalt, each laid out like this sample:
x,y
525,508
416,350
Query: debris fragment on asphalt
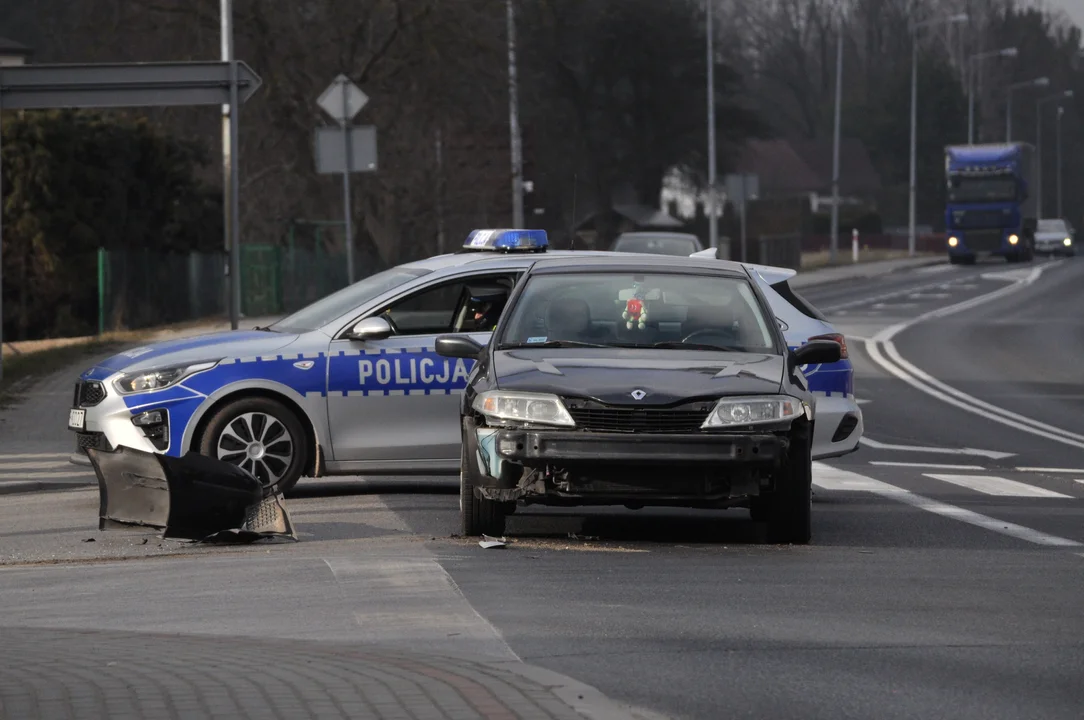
x,y
193,497
488,542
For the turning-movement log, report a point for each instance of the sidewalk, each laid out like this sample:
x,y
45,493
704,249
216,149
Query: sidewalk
x,y
860,271
111,675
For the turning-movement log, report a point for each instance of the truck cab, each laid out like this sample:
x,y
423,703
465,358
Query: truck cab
x,y
989,209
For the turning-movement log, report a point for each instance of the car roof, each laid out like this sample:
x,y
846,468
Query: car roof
x,y
657,234
557,263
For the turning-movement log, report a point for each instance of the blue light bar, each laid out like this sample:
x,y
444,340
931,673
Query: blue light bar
x,y
507,240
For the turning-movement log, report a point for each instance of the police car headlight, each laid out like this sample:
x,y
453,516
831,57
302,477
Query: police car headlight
x,y
740,411
512,408
158,378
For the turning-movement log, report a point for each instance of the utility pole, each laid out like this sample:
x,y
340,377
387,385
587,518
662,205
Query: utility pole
x,y
513,121
1061,111
713,220
834,244
231,186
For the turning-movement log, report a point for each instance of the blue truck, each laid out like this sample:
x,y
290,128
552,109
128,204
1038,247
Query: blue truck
x,y
990,209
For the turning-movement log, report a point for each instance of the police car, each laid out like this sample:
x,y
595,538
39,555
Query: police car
x,y
351,384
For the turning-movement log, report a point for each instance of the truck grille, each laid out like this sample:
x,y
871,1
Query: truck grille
x,y
597,417
983,240
979,218
88,393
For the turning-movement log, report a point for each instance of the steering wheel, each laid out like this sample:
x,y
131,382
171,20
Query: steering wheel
x,y
729,336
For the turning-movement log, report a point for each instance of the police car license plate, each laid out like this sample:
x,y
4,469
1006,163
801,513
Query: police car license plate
x,y
77,419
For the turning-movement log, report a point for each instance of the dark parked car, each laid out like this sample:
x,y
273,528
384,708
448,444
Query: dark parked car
x,y
657,243
630,381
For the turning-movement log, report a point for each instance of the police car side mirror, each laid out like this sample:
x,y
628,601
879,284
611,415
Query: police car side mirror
x,y
818,352
458,346
374,328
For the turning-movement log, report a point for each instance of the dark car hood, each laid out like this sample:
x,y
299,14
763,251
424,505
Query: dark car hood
x,y
611,375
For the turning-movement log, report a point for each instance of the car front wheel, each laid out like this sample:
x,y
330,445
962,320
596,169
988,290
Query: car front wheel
x,y
479,516
259,435
790,508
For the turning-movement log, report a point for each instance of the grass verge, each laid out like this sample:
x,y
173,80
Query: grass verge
x,y
814,260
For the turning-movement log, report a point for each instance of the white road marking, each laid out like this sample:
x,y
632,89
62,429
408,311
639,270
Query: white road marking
x,y
992,454
934,269
32,465
45,475
861,402
931,296
931,466
992,485
831,478
1069,471
901,306
32,456
895,365
894,294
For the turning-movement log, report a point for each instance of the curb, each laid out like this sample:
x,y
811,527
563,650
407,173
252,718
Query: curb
x,y
585,699
870,272
28,486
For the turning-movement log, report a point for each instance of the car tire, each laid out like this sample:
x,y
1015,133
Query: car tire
x,y
479,516
790,511
278,456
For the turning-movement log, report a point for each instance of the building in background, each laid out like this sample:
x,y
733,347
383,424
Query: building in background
x,y
14,53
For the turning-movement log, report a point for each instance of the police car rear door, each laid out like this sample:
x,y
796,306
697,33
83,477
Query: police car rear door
x,y
393,404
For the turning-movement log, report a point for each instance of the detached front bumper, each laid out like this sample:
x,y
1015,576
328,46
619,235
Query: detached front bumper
x,y
538,447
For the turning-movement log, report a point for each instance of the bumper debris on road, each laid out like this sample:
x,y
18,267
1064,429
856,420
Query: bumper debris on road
x,y
192,497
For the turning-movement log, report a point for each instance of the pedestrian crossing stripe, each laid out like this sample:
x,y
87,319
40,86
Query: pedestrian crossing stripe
x,y
991,485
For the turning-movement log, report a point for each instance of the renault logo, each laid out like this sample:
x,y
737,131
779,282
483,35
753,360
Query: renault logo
x,y
638,394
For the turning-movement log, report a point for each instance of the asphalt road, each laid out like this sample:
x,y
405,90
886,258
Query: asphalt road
x,y
946,576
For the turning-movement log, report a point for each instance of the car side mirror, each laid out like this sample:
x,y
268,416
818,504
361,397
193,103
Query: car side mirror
x,y
374,328
458,346
818,352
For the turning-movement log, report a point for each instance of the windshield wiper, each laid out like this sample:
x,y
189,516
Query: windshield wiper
x,y
551,344
677,345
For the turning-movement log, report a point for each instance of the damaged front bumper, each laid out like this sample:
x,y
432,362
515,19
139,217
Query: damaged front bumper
x,y
193,497
710,469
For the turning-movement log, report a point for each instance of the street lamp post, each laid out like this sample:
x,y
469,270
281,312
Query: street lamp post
x,y
1037,82
915,27
1039,143
1061,111
834,241
1006,52
713,221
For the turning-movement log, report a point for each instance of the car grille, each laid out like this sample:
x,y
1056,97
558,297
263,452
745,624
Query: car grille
x,y
94,440
597,417
983,240
89,393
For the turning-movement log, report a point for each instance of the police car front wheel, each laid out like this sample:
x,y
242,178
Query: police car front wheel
x,y
260,435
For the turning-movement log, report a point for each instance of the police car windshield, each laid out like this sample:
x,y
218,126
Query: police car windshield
x,y
323,311
641,310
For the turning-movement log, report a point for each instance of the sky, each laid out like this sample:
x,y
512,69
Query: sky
x,y
1074,8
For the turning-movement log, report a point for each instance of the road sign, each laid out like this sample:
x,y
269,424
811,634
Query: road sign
x,y
740,189
330,145
343,99
114,85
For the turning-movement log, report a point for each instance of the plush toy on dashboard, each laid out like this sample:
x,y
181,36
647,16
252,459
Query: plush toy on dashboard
x,y
635,310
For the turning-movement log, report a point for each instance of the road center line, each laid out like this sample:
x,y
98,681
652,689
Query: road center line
x,y
830,478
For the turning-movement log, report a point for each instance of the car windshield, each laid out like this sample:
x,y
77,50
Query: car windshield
x,y
643,310
972,189
1052,226
337,304
656,245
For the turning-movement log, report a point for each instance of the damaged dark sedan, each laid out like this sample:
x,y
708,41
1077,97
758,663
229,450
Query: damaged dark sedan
x,y
637,382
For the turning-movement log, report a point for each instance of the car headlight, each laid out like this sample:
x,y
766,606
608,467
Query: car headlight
x,y
1013,239
953,242
739,411
1067,242
520,408
158,378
